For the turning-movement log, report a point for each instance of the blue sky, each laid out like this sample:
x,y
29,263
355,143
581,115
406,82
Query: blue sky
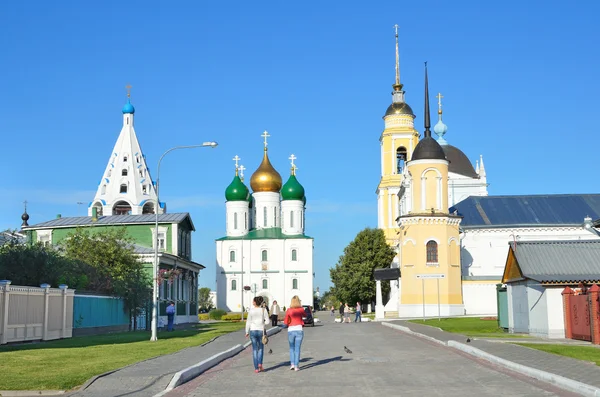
x,y
519,79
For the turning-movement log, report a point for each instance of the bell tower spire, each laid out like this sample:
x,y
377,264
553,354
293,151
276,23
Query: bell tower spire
x,y
427,121
397,94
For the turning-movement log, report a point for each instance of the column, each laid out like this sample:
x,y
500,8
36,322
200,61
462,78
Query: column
x,y
567,294
46,288
63,332
379,314
594,292
5,286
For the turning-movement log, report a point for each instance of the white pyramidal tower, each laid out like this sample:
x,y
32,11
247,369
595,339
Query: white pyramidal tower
x,y
126,187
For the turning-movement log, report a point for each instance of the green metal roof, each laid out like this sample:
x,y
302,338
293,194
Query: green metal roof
x,y
273,233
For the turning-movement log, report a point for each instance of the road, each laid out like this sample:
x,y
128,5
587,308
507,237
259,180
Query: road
x,y
383,360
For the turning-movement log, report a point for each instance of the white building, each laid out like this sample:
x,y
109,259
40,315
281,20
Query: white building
x,y
490,223
536,274
265,251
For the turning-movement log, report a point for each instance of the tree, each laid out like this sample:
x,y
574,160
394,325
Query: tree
x,y
352,276
114,268
329,299
204,301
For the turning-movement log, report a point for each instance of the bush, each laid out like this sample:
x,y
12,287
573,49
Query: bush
x,y
232,317
203,316
216,314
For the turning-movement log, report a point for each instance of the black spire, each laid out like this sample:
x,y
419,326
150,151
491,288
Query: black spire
x,y
427,132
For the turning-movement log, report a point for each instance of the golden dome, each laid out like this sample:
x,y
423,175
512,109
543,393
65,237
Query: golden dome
x,y
265,178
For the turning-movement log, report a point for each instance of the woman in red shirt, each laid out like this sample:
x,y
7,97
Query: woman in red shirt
x,y
293,319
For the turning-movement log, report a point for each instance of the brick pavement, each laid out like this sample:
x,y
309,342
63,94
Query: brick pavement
x,y
150,377
383,361
571,368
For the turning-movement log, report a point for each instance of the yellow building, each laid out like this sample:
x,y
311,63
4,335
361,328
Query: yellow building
x,y
398,140
428,238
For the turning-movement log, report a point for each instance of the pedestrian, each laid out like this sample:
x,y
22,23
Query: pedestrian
x,y
346,313
275,310
341,312
255,329
332,311
170,316
293,319
358,316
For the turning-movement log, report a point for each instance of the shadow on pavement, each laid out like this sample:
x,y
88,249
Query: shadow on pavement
x,y
309,365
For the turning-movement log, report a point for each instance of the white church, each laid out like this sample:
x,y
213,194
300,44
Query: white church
x,y
265,251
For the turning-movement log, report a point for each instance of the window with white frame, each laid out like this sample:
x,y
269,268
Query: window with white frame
x,y
295,283
234,285
232,256
265,284
162,238
45,239
264,256
294,255
432,253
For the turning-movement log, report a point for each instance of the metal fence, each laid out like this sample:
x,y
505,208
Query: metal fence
x,y
31,313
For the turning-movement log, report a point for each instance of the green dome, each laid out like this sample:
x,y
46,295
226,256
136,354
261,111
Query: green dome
x,y
236,191
292,190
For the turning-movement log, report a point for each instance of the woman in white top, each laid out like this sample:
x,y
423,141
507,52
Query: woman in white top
x,y
255,328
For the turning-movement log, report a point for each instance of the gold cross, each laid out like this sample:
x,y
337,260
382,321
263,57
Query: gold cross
x,y
265,135
128,88
439,96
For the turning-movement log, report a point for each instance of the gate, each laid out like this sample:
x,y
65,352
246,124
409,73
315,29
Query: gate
x,y
581,326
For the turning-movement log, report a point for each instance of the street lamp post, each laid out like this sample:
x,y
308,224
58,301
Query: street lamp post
x,y
155,265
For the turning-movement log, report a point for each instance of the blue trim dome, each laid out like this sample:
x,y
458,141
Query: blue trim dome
x,y
128,108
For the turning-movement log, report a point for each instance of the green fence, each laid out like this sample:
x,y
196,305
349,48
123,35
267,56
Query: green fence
x,y
98,311
502,297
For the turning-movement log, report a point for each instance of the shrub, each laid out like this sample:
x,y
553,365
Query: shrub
x,y
232,317
203,316
216,314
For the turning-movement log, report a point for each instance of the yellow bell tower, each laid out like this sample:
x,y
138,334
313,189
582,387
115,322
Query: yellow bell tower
x,y
429,235
398,140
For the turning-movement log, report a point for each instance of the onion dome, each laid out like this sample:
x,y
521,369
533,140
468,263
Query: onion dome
x,y
459,162
292,190
236,191
25,218
265,178
398,109
440,129
128,108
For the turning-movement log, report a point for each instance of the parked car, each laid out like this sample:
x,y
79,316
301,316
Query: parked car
x,y
308,316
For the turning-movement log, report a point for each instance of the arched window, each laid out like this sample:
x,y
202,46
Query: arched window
x,y
148,208
400,159
233,285
124,159
124,172
232,256
109,172
265,283
294,255
103,189
264,255
123,188
291,218
432,252
235,220
265,216
295,283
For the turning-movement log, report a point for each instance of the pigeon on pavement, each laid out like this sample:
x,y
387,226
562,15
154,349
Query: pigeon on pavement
x,y
347,350
270,351
468,340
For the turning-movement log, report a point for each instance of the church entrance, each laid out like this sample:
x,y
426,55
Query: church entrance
x,y
268,298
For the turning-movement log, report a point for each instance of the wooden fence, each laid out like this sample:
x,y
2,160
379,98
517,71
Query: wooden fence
x,y
31,313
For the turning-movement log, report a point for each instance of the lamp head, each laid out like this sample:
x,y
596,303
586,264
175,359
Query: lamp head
x,y
587,223
211,144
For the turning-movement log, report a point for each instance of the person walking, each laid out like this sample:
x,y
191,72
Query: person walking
x,y
332,311
346,313
275,310
341,312
293,319
255,329
358,317
170,316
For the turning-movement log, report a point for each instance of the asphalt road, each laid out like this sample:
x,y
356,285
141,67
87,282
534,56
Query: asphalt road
x,y
383,360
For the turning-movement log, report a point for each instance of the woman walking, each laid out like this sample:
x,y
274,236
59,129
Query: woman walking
x,y
275,310
255,328
346,313
293,319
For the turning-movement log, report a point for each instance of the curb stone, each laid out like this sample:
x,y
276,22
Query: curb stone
x,y
548,377
187,374
29,393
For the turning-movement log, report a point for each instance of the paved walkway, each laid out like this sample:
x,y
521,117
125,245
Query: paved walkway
x,y
588,373
383,361
150,377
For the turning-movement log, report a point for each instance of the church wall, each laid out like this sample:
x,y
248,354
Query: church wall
x,y
480,297
279,270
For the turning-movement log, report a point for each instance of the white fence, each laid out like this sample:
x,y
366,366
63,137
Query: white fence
x,y
30,313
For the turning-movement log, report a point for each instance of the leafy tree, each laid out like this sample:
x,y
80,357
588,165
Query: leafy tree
x,y
204,301
352,276
328,299
114,268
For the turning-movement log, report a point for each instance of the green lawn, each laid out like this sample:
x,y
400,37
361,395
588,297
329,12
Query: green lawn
x,y
470,326
67,363
586,353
